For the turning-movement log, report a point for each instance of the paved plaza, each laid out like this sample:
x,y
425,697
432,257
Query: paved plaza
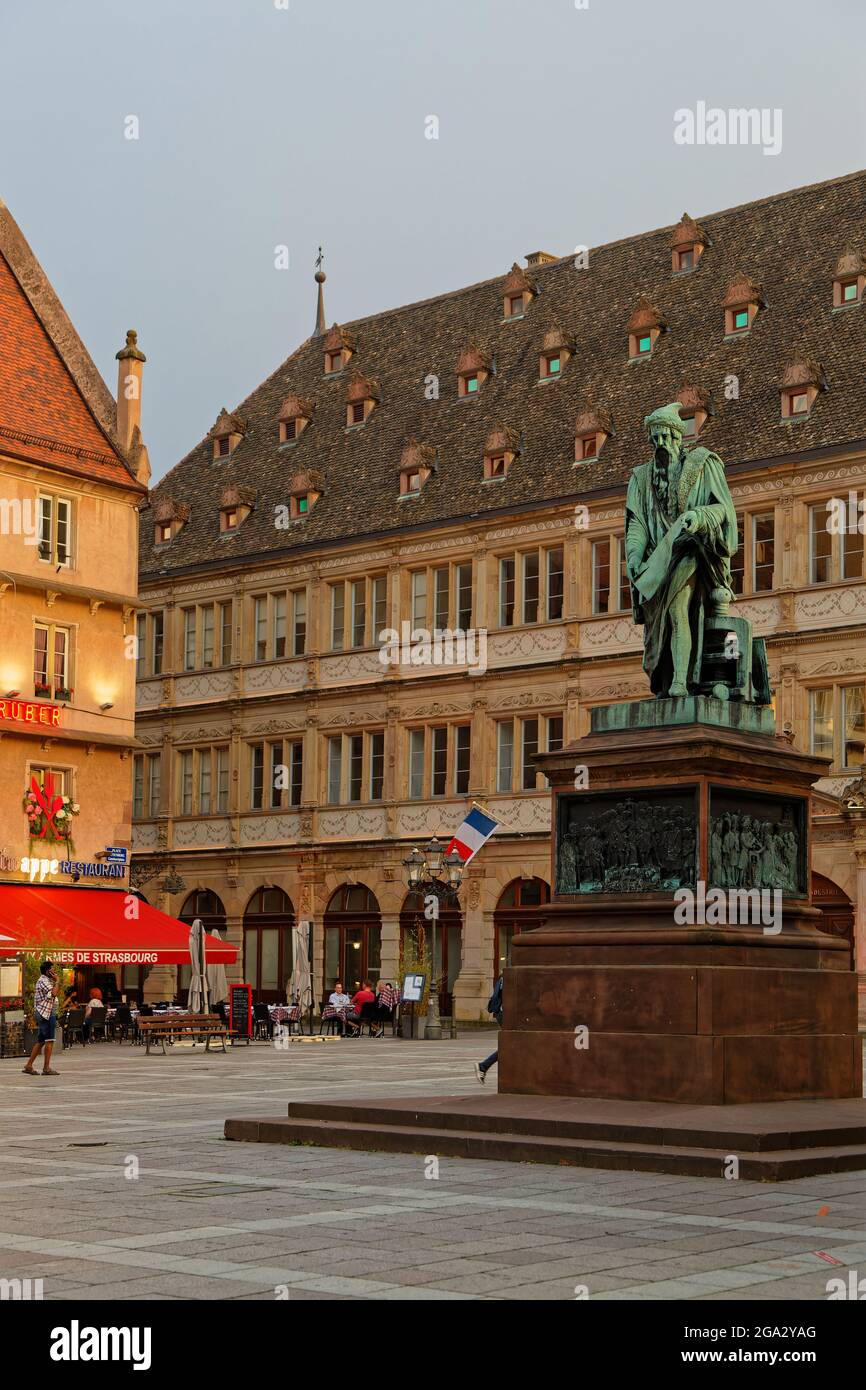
x,y
117,1184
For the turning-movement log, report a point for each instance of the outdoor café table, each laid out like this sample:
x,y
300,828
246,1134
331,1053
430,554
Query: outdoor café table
x,y
389,997
284,1013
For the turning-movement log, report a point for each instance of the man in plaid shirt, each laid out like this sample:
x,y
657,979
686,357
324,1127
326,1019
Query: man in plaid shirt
x,y
45,1008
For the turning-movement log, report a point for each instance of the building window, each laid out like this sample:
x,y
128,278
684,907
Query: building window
x,y
514,306
335,771
140,644
52,647
551,365
222,779
611,591
837,721
439,761
798,403
848,292
299,622
462,757
531,585
207,635
835,551
222,447
497,466
55,530
684,259
586,447
416,764
162,532
740,321
554,724
440,598
763,547
54,781
145,785
189,636
257,776
644,345
529,750
377,766
504,755
358,612
185,782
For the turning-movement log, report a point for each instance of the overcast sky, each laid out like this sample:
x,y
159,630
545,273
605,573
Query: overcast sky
x,y
262,126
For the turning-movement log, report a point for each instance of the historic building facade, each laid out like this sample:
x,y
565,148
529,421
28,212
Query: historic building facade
x,y
460,465
73,474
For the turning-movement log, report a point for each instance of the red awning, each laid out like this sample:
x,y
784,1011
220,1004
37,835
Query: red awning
x,y
96,926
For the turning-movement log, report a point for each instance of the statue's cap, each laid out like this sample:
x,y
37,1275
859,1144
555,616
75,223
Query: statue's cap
x,y
665,415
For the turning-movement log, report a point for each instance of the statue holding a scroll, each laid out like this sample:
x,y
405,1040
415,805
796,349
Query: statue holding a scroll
x,y
680,535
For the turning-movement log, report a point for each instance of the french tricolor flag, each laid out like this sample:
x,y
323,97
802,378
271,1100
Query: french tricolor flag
x,y
475,831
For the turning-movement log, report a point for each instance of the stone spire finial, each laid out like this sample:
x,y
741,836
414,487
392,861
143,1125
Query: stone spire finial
x,y
320,278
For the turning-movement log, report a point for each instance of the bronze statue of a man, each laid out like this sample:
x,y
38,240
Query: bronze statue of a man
x,y
681,531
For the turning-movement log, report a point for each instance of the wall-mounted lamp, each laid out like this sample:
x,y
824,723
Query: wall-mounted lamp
x,y
11,694
106,706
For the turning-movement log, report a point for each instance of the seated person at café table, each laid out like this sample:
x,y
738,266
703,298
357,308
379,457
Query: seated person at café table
x,y
94,1013
363,996
340,1000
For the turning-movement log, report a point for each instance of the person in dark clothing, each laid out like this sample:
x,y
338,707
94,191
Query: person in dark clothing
x,y
494,1007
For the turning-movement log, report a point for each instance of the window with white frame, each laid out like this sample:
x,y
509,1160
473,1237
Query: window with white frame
x,y
54,543
611,592
355,767
58,779
270,627
440,597
439,761
517,743
202,781
146,778
358,612
837,719
835,545
52,661
753,565
531,586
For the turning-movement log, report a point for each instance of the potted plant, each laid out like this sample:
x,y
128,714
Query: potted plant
x,y
43,690
63,692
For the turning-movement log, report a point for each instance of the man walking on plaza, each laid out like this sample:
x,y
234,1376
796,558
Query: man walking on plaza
x,y
494,1007
45,1008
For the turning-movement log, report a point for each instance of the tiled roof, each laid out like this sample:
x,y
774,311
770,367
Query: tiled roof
x,y
55,409
788,244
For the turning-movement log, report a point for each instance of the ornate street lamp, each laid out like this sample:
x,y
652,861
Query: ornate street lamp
x,y
433,873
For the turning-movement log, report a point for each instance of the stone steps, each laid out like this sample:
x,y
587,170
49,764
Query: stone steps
x,y
493,1128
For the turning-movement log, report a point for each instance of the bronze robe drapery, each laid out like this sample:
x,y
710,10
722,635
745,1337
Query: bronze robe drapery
x,y
661,558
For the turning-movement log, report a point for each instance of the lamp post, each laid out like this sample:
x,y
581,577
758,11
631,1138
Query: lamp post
x,y
437,875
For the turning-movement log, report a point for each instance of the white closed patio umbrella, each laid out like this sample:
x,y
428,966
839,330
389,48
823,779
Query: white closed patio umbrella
x,y
198,992
302,984
217,984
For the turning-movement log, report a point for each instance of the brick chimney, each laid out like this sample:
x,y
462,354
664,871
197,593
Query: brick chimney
x,y
130,361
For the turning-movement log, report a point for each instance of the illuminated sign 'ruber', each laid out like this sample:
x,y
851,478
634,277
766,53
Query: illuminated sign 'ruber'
x,y
29,712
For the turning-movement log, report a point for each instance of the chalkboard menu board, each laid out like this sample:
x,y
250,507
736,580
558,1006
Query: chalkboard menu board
x,y
241,1010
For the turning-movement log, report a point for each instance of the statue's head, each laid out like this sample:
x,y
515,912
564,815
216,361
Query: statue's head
x,y
665,429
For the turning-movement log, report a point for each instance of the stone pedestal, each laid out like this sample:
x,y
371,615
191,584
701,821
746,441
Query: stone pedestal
x,y
639,982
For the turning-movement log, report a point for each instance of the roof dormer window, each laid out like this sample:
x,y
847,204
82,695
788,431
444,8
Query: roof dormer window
x,y
295,414
741,304
801,383
556,349
849,280
473,369
305,491
361,400
518,291
236,503
690,426
696,406
417,462
338,347
592,429
688,241
226,434
644,327
169,519
500,451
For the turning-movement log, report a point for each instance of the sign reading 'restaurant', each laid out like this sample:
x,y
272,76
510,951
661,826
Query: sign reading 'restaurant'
x,y
29,712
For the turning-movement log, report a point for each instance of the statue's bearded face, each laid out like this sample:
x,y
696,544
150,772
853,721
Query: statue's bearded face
x,y
665,442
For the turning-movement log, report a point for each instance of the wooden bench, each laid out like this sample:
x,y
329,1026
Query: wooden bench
x,y
196,1026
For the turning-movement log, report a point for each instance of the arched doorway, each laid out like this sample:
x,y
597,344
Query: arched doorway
x,y
449,944
353,937
515,912
206,905
268,922
837,910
